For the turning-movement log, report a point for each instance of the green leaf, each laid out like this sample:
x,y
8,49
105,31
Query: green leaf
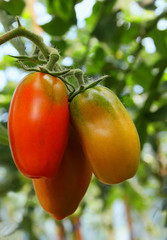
x,y
29,61
141,125
135,197
96,61
13,7
160,62
160,40
101,10
164,188
9,88
6,158
164,205
64,17
63,8
59,43
130,33
7,21
3,135
57,26
159,115
165,225
147,4
106,28
142,74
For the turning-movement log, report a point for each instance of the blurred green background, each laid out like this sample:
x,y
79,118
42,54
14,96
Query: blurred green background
x,y
127,40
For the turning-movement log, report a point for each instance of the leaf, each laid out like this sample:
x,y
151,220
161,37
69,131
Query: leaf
x,y
104,20
147,4
60,44
164,188
7,21
101,9
130,33
57,26
164,205
11,181
64,17
96,62
141,125
160,40
165,225
164,86
13,7
142,75
106,28
29,61
63,8
159,115
135,197
128,101
160,62
7,228
9,88
3,135
6,158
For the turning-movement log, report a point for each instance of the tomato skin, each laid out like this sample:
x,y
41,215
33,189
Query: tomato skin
x,y
38,125
61,194
108,135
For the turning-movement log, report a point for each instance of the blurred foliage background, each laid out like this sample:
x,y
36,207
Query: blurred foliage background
x,y
128,41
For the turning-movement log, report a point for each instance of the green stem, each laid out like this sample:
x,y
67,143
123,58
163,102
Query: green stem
x,y
23,32
18,21
53,58
84,87
79,76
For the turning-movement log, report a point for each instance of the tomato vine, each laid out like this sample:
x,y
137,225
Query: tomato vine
x,y
48,58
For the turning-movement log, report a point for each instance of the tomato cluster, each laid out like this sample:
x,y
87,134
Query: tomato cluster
x,y
60,144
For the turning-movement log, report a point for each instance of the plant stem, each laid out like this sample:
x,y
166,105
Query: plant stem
x,y
79,76
53,58
23,32
84,87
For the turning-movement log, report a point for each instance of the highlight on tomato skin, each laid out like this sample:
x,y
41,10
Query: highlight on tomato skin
x,y
38,125
61,195
108,135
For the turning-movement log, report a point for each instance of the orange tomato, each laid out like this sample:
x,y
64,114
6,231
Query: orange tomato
x,y
108,135
61,194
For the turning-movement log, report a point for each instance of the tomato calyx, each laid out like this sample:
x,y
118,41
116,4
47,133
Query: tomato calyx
x,y
45,59
84,87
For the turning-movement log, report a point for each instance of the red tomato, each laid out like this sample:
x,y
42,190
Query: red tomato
x,y
38,124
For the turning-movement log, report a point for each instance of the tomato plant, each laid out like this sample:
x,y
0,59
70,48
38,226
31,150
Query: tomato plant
x,y
61,194
103,138
108,135
38,124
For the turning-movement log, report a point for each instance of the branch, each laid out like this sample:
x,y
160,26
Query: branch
x,y
36,39
144,32
151,96
153,89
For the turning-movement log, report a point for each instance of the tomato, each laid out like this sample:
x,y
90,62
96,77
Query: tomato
x,y
61,194
38,125
108,135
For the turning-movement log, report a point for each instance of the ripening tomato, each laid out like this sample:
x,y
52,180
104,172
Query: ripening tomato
x,y
108,135
61,194
38,124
